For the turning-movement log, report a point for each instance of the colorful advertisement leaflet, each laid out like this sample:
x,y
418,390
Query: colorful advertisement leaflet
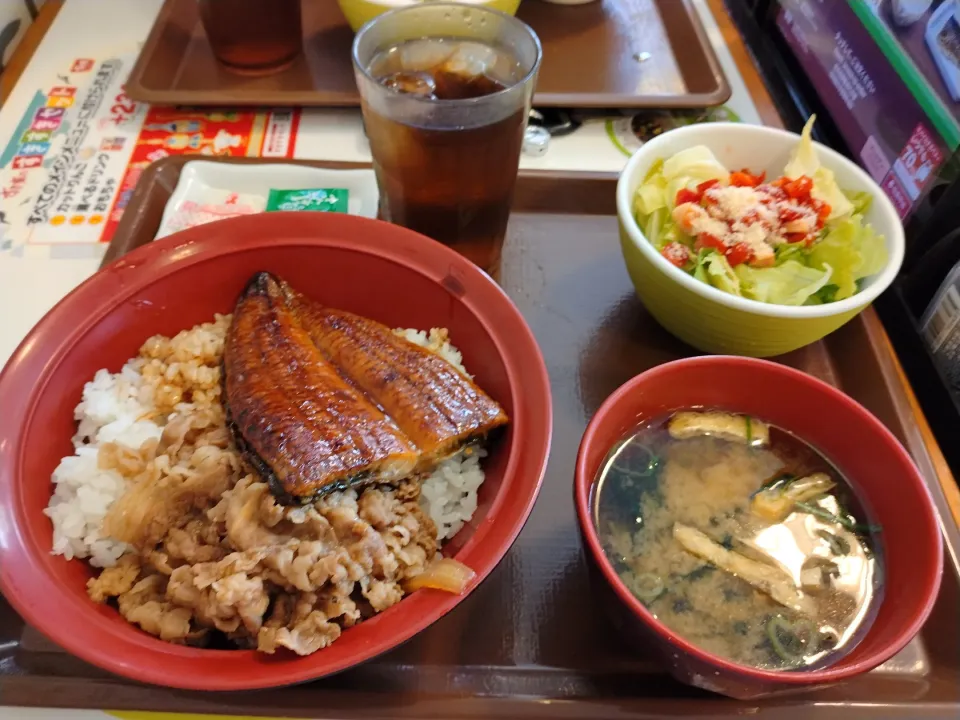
x,y
883,75
70,167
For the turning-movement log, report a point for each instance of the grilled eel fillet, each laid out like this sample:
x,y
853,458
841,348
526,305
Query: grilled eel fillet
x,y
436,406
301,426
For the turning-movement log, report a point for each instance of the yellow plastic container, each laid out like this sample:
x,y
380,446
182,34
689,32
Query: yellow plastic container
x,y
359,12
710,319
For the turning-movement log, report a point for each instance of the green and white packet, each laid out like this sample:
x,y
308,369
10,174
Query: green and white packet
x,y
315,199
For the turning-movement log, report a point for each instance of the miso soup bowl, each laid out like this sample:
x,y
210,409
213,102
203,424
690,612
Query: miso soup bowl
x,y
715,321
857,443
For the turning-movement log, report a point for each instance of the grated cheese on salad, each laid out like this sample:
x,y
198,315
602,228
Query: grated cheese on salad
x,y
794,240
747,222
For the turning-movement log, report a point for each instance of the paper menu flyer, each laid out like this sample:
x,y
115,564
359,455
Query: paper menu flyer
x,y
72,164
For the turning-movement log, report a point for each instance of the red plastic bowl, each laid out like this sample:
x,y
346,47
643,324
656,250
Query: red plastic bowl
x,y
859,445
365,266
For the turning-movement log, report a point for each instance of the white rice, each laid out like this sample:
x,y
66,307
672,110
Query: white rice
x,y
111,410
449,495
437,340
115,408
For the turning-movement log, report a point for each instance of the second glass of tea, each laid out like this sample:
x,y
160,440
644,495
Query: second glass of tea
x,y
253,37
446,91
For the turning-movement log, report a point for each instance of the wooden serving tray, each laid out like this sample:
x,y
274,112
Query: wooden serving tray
x,y
530,642
608,54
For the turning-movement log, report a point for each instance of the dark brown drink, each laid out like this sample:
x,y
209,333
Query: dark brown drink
x,y
253,37
451,184
445,116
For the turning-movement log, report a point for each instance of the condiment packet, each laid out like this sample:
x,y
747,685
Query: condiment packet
x,y
317,200
208,191
213,204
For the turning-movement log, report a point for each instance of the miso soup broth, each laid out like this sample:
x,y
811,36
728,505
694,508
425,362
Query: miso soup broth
x,y
741,538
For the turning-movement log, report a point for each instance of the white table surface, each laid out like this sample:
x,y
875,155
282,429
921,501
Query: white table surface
x,y
32,284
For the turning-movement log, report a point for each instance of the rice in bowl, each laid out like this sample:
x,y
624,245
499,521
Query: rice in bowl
x,y
192,545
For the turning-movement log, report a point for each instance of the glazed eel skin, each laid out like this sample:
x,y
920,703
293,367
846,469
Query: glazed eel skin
x,y
319,399
297,422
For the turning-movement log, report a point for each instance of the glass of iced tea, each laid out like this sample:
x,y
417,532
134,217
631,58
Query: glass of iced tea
x,y
253,37
446,90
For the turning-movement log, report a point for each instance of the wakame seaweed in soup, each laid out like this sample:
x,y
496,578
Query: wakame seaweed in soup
x,y
741,538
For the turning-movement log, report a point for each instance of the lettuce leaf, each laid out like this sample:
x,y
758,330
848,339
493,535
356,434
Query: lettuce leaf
x,y
826,294
861,201
699,265
790,283
656,169
853,250
873,250
825,188
687,169
788,251
850,249
719,274
804,160
658,228
651,195
697,163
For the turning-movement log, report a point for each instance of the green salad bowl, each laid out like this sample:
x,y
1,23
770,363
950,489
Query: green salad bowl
x,y
715,321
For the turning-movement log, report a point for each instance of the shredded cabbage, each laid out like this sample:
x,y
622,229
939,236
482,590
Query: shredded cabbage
x,y
847,251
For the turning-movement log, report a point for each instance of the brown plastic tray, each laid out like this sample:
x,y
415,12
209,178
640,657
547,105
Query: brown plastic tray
x,y
609,54
530,642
